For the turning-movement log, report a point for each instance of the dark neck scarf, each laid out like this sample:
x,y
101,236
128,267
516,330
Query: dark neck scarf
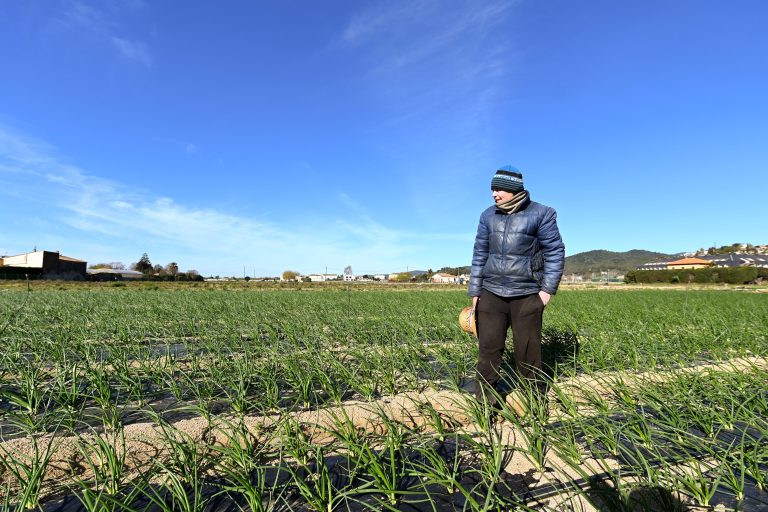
x,y
519,201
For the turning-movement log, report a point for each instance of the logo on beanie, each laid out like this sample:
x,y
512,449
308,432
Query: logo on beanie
x,y
507,179
514,179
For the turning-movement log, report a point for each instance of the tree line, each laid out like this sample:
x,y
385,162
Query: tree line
x,y
169,272
731,275
727,249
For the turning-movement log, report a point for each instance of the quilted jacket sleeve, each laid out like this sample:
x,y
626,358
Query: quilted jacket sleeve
x,y
479,257
553,250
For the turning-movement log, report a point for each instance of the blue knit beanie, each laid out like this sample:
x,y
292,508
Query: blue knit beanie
x,y
507,178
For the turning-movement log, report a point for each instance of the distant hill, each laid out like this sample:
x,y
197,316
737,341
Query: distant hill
x,y
585,263
596,261
601,260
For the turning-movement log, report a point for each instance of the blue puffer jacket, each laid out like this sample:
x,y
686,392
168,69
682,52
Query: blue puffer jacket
x,y
518,253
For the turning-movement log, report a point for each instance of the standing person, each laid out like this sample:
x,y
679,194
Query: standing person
x,y
517,264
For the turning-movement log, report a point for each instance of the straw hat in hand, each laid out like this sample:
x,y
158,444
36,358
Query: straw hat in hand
x,y
467,320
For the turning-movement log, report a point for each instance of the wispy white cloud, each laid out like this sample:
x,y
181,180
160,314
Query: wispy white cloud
x,y
133,50
439,74
103,21
79,15
409,33
214,241
435,61
381,17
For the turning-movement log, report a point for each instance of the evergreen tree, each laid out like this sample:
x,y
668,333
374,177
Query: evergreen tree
x,y
144,265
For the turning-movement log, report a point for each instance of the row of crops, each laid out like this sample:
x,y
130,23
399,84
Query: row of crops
x,y
356,399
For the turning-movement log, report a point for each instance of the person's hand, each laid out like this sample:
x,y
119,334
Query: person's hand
x,y
474,303
544,296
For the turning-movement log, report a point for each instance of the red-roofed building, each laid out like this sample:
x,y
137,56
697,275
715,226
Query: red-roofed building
x,y
689,263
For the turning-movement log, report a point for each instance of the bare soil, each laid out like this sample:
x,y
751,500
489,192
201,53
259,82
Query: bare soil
x,y
146,442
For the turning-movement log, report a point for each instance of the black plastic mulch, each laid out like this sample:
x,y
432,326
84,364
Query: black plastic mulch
x,y
436,499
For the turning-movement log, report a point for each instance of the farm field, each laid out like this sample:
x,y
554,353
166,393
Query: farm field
x,y
206,398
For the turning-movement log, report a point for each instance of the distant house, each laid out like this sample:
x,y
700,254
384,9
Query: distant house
x,y
573,278
606,276
349,277
322,277
689,263
656,265
442,277
111,274
735,259
43,264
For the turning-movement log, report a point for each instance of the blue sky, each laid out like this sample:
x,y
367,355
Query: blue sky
x,y
314,135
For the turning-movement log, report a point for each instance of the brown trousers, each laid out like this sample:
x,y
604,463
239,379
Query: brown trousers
x,y
494,317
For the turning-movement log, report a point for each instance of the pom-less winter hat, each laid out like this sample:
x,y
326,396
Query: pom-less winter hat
x,y
507,178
